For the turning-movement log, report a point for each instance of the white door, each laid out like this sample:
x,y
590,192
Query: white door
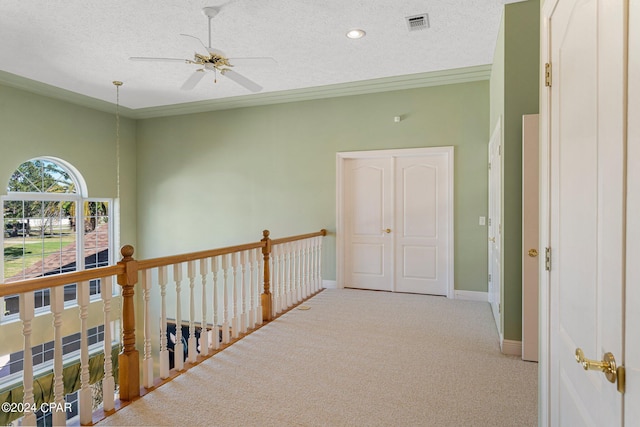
x,y
530,236
632,290
368,214
422,212
395,210
494,223
587,183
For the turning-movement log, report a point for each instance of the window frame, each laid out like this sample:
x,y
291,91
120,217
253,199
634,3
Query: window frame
x,y
79,197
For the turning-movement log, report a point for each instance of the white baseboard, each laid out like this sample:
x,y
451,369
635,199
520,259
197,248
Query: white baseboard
x,y
472,296
330,284
512,348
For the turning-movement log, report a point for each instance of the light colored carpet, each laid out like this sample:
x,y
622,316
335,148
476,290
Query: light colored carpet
x,y
355,358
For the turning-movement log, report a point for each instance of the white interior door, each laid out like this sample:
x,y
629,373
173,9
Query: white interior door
x,y
395,220
368,192
632,290
586,283
494,223
530,236
422,212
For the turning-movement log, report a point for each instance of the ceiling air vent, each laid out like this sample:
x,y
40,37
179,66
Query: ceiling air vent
x,y
418,22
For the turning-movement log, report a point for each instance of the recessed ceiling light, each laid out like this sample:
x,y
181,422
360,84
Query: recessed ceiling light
x,y
356,34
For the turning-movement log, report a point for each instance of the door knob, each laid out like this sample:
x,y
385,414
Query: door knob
x,y
388,230
533,253
492,239
607,366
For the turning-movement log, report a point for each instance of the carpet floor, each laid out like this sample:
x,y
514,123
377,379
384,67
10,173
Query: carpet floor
x,y
354,358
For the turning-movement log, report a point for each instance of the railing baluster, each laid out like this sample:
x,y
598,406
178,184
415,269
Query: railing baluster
x,y
287,285
215,268
310,290
147,359
85,398
279,256
318,271
225,299
312,265
296,278
57,307
252,287
301,264
204,333
235,328
192,344
292,273
26,315
178,348
279,294
244,312
108,382
259,286
276,283
300,261
164,350
316,283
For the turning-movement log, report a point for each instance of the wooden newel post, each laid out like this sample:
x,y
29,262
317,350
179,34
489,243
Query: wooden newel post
x,y
266,296
128,359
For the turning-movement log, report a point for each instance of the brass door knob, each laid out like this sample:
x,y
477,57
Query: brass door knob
x,y
607,365
533,253
492,239
388,230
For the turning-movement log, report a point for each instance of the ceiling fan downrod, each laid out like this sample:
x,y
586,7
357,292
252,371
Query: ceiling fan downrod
x,y
210,12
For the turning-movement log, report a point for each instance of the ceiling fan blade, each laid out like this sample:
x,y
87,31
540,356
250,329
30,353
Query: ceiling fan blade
x,y
193,80
242,80
253,61
145,58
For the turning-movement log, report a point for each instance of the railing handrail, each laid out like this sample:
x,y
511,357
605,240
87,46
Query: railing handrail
x,y
282,240
193,256
45,282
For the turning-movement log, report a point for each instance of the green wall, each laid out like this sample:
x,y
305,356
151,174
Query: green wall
x,y
514,92
214,179
33,126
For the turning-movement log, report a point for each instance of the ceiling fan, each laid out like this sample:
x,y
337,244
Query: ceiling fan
x,y
214,61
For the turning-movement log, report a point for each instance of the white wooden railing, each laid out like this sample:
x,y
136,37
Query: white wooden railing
x,y
230,291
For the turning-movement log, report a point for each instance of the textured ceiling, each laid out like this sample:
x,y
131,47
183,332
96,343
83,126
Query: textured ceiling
x,y
83,45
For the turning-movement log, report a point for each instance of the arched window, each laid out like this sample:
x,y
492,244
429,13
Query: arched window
x,y
51,226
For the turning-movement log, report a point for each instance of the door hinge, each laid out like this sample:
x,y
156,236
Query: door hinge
x,y
489,276
547,74
489,223
547,259
499,150
489,165
499,309
621,379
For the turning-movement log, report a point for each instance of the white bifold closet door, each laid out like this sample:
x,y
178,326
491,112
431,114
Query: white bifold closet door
x,y
398,222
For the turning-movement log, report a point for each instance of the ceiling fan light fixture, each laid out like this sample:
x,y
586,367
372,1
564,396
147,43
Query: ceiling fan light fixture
x,y
356,33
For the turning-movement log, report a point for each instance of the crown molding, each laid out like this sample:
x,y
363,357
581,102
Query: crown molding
x,y
43,89
410,81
